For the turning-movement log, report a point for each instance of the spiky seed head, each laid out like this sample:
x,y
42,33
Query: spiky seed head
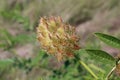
x,y
56,37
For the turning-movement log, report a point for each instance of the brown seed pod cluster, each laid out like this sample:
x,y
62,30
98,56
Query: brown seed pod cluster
x,y
56,37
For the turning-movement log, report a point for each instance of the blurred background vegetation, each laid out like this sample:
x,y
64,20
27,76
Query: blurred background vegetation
x,y
18,22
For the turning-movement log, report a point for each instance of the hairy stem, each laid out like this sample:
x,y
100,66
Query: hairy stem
x,y
88,69
110,73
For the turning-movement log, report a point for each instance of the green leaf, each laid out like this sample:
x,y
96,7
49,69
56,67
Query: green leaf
x,y
36,60
100,54
6,62
108,39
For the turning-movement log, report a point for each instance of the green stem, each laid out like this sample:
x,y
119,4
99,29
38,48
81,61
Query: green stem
x,y
110,73
88,69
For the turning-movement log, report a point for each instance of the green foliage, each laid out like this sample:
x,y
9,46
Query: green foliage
x,y
5,63
23,64
8,41
108,39
100,54
5,38
14,15
37,59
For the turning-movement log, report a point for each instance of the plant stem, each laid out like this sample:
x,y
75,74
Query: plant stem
x,y
110,73
88,69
